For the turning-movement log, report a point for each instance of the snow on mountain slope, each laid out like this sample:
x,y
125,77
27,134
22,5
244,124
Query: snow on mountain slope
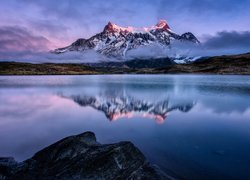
x,y
116,41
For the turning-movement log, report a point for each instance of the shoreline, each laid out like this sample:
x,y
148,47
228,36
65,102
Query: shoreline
x,y
239,67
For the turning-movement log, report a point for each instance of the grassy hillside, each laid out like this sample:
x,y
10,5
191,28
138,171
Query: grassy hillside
x,y
236,64
16,68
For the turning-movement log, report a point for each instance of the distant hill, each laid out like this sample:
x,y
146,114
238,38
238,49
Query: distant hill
x,y
230,64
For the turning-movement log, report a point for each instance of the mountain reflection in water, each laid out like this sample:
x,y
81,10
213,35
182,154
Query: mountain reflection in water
x,y
117,107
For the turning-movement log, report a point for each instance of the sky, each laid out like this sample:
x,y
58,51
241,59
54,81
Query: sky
x,y
33,26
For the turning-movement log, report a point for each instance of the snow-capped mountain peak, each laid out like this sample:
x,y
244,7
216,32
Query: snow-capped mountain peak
x,y
162,24
112,28
116,41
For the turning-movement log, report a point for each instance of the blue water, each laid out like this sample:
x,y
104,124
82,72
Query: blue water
x,y
191,126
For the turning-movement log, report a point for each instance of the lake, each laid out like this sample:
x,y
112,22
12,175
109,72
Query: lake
x,y
191,126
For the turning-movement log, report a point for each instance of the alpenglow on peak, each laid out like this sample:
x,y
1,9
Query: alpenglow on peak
x,y
116,41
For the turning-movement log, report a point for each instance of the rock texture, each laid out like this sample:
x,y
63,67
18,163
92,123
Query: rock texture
x,y
82,157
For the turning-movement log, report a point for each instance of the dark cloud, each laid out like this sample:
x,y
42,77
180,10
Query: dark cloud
x,y
229,40
18,39
223,43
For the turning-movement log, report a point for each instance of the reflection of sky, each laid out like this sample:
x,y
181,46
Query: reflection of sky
x,y
212,136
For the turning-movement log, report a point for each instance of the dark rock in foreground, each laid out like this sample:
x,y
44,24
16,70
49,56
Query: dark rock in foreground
x,y
82,157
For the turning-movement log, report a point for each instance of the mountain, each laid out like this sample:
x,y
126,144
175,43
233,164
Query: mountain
x,y
117,107
116,41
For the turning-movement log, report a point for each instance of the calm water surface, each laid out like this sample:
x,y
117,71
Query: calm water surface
x,y
192,126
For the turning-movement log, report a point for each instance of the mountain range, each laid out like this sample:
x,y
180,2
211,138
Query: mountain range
x,y
116,41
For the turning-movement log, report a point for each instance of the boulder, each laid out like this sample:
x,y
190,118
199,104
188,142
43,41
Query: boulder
x,y
82,157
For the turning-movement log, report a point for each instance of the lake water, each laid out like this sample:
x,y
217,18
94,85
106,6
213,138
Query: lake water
x,y
192,126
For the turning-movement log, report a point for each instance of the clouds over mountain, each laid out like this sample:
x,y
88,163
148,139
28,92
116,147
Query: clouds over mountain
x,y
229,40
19,44
69,20
18,39
49,24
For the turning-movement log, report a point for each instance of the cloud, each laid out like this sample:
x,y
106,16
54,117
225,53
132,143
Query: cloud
x,y
18,39
25,47
157,51
19,44
65,21
229,40
49,28
89,56
46,57
222,43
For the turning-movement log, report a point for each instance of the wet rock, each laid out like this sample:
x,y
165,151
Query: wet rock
x,y
82,157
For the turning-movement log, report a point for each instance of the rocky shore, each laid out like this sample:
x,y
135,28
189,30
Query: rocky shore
x,y
82,157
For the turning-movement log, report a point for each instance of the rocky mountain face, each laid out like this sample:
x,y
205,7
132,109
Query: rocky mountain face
x,y
124,106
116,41
82,157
